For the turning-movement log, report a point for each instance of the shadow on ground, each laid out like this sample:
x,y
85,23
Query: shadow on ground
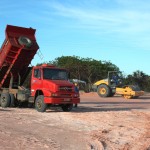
x,y
90,109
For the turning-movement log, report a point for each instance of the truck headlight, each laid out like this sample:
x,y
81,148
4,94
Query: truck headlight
x,y
54,94
76,95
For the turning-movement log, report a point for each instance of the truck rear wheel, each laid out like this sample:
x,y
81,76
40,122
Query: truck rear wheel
x,y
67,107
39,104
5,100
103,90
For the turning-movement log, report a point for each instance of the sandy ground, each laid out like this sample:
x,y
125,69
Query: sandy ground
x,y
97,124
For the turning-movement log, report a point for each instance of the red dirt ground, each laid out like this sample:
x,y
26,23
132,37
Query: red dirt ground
x,y
96,124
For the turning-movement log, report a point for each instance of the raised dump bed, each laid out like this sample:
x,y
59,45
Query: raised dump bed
x,y
16,53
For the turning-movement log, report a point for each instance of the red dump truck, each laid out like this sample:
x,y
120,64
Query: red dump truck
x,y
49,85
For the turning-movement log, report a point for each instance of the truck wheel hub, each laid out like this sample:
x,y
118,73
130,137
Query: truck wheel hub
x,y
39,104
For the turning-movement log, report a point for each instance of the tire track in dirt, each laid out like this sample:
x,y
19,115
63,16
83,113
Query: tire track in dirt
x,y
17,132
135,139
144,140
92,126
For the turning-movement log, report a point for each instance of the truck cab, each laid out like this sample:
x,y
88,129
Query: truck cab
x,y
50,87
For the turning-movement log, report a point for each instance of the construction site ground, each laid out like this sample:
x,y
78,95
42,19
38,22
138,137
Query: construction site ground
x,y
96,124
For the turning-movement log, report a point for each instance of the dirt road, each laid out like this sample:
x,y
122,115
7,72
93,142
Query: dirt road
x,y
97,124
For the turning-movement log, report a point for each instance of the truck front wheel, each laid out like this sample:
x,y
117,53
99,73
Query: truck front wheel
x,y
67,107
39,104
5,100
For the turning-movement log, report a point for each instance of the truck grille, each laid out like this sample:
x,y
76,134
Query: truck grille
x,y
65,88
66,95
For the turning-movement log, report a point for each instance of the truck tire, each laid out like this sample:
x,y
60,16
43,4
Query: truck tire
x,y
39,104
25,41
103,90
5,100
67,107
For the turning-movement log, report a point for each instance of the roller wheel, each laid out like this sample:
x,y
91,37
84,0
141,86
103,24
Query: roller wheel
x,y
103,90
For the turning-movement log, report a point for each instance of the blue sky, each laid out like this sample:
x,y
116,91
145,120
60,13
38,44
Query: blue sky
x,y
113,30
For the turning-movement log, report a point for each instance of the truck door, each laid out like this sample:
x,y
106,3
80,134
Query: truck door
x,y
36,82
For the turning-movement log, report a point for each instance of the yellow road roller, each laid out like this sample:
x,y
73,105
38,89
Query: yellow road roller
x,y
113,85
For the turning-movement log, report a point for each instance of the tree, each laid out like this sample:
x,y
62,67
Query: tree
x,y
87,69
91,70
139,78
71,63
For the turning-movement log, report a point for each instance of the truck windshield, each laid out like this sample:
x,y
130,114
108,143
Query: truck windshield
x,y
55,74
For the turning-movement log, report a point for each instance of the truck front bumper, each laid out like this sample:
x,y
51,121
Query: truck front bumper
x,y
55,100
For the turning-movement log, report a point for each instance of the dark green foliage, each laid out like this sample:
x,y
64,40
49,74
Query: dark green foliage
x,y
139,78
86,69
91,70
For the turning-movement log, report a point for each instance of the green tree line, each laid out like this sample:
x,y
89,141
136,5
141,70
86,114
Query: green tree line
x,y
91,70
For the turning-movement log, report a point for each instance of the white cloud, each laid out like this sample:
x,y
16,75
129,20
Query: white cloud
x,y
126,21
119,20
